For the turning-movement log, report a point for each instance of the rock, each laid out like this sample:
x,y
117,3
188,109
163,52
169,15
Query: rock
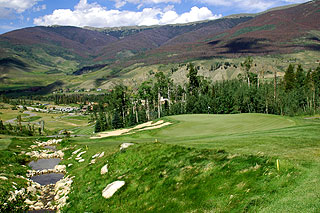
x,y
81,153
80,161
96,155
101,155
104,169
62,188
70,164
112,188
3,178
37,208
31,190
125,145
93,161
59,154
39,203
29,202
60,168
75,152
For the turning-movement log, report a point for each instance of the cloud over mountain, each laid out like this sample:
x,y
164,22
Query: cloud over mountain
x,y
18,6
93,14
250,5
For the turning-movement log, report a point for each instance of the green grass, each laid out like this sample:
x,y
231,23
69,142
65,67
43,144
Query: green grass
x,y
221,125
253,29
88,130
4,141
205,163
13,163
168,178
31,119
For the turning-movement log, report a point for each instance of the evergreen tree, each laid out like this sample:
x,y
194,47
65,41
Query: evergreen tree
x,y
2,127
289,78
193,79
116,121
97,127
300,76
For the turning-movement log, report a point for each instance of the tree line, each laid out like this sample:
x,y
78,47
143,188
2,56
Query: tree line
x,y
19,129
298,92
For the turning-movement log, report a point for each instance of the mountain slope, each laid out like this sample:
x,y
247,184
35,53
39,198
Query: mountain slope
x,y
278,31
79,41
149,39
43,55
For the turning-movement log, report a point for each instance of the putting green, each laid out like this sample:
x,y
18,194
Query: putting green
x,y
217,125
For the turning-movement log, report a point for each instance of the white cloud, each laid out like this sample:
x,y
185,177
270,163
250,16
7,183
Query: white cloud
x,y
39,8
18,6
85,14
5,13
121,3
195,14
250,5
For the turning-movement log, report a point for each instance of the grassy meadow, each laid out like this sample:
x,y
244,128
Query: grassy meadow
x,y
204,163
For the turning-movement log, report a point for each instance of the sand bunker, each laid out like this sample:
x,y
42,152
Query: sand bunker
x,y
141,127
155,127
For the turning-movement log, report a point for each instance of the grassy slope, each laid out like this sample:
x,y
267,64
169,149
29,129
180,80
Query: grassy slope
x,y
180,178
137,73
12,163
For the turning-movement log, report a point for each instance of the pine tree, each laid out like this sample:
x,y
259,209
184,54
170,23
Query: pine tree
x,y
116,121
289,78
97,127
300,76
2,127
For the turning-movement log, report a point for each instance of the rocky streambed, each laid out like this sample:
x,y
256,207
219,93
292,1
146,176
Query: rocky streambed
x,y
47,183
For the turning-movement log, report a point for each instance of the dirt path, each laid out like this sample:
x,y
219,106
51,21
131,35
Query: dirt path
x,y
30,114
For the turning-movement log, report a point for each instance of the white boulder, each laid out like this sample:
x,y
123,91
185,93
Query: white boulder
x,y
60,168
112,188
101,155
75,152
104,169
3,178
125,145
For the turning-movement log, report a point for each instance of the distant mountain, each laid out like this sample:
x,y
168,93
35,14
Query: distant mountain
x,y
77,40
52,52
278,31
149,39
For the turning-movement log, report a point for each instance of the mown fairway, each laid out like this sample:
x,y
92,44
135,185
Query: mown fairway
x,y
195,126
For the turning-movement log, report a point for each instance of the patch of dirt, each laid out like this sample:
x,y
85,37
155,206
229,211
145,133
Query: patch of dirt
x,y
141,127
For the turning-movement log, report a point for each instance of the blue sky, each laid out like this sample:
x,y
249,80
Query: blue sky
x,y
15,14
